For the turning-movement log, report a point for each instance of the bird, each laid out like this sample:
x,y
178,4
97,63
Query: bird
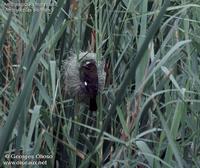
x,y
84,78
89,78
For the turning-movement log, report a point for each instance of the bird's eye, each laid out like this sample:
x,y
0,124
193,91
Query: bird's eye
x,y
85,83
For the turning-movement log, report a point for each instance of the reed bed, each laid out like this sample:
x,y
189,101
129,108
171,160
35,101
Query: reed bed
x,y
148,111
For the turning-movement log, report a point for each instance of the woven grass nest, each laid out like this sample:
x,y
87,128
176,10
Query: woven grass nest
x,y
71,75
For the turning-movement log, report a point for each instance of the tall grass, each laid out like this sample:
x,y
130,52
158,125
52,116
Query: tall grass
x,y
148,113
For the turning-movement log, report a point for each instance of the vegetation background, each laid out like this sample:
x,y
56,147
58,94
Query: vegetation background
x,y
148,114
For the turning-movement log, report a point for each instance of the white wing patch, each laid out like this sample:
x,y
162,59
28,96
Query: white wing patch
x,y
87,62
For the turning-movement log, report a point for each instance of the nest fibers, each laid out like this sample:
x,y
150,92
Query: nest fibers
x,y
71,72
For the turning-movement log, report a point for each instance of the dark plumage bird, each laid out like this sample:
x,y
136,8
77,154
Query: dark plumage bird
x,y
89,77
84,78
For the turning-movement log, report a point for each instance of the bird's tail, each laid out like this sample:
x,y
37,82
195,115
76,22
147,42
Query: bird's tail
x,y
93,104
